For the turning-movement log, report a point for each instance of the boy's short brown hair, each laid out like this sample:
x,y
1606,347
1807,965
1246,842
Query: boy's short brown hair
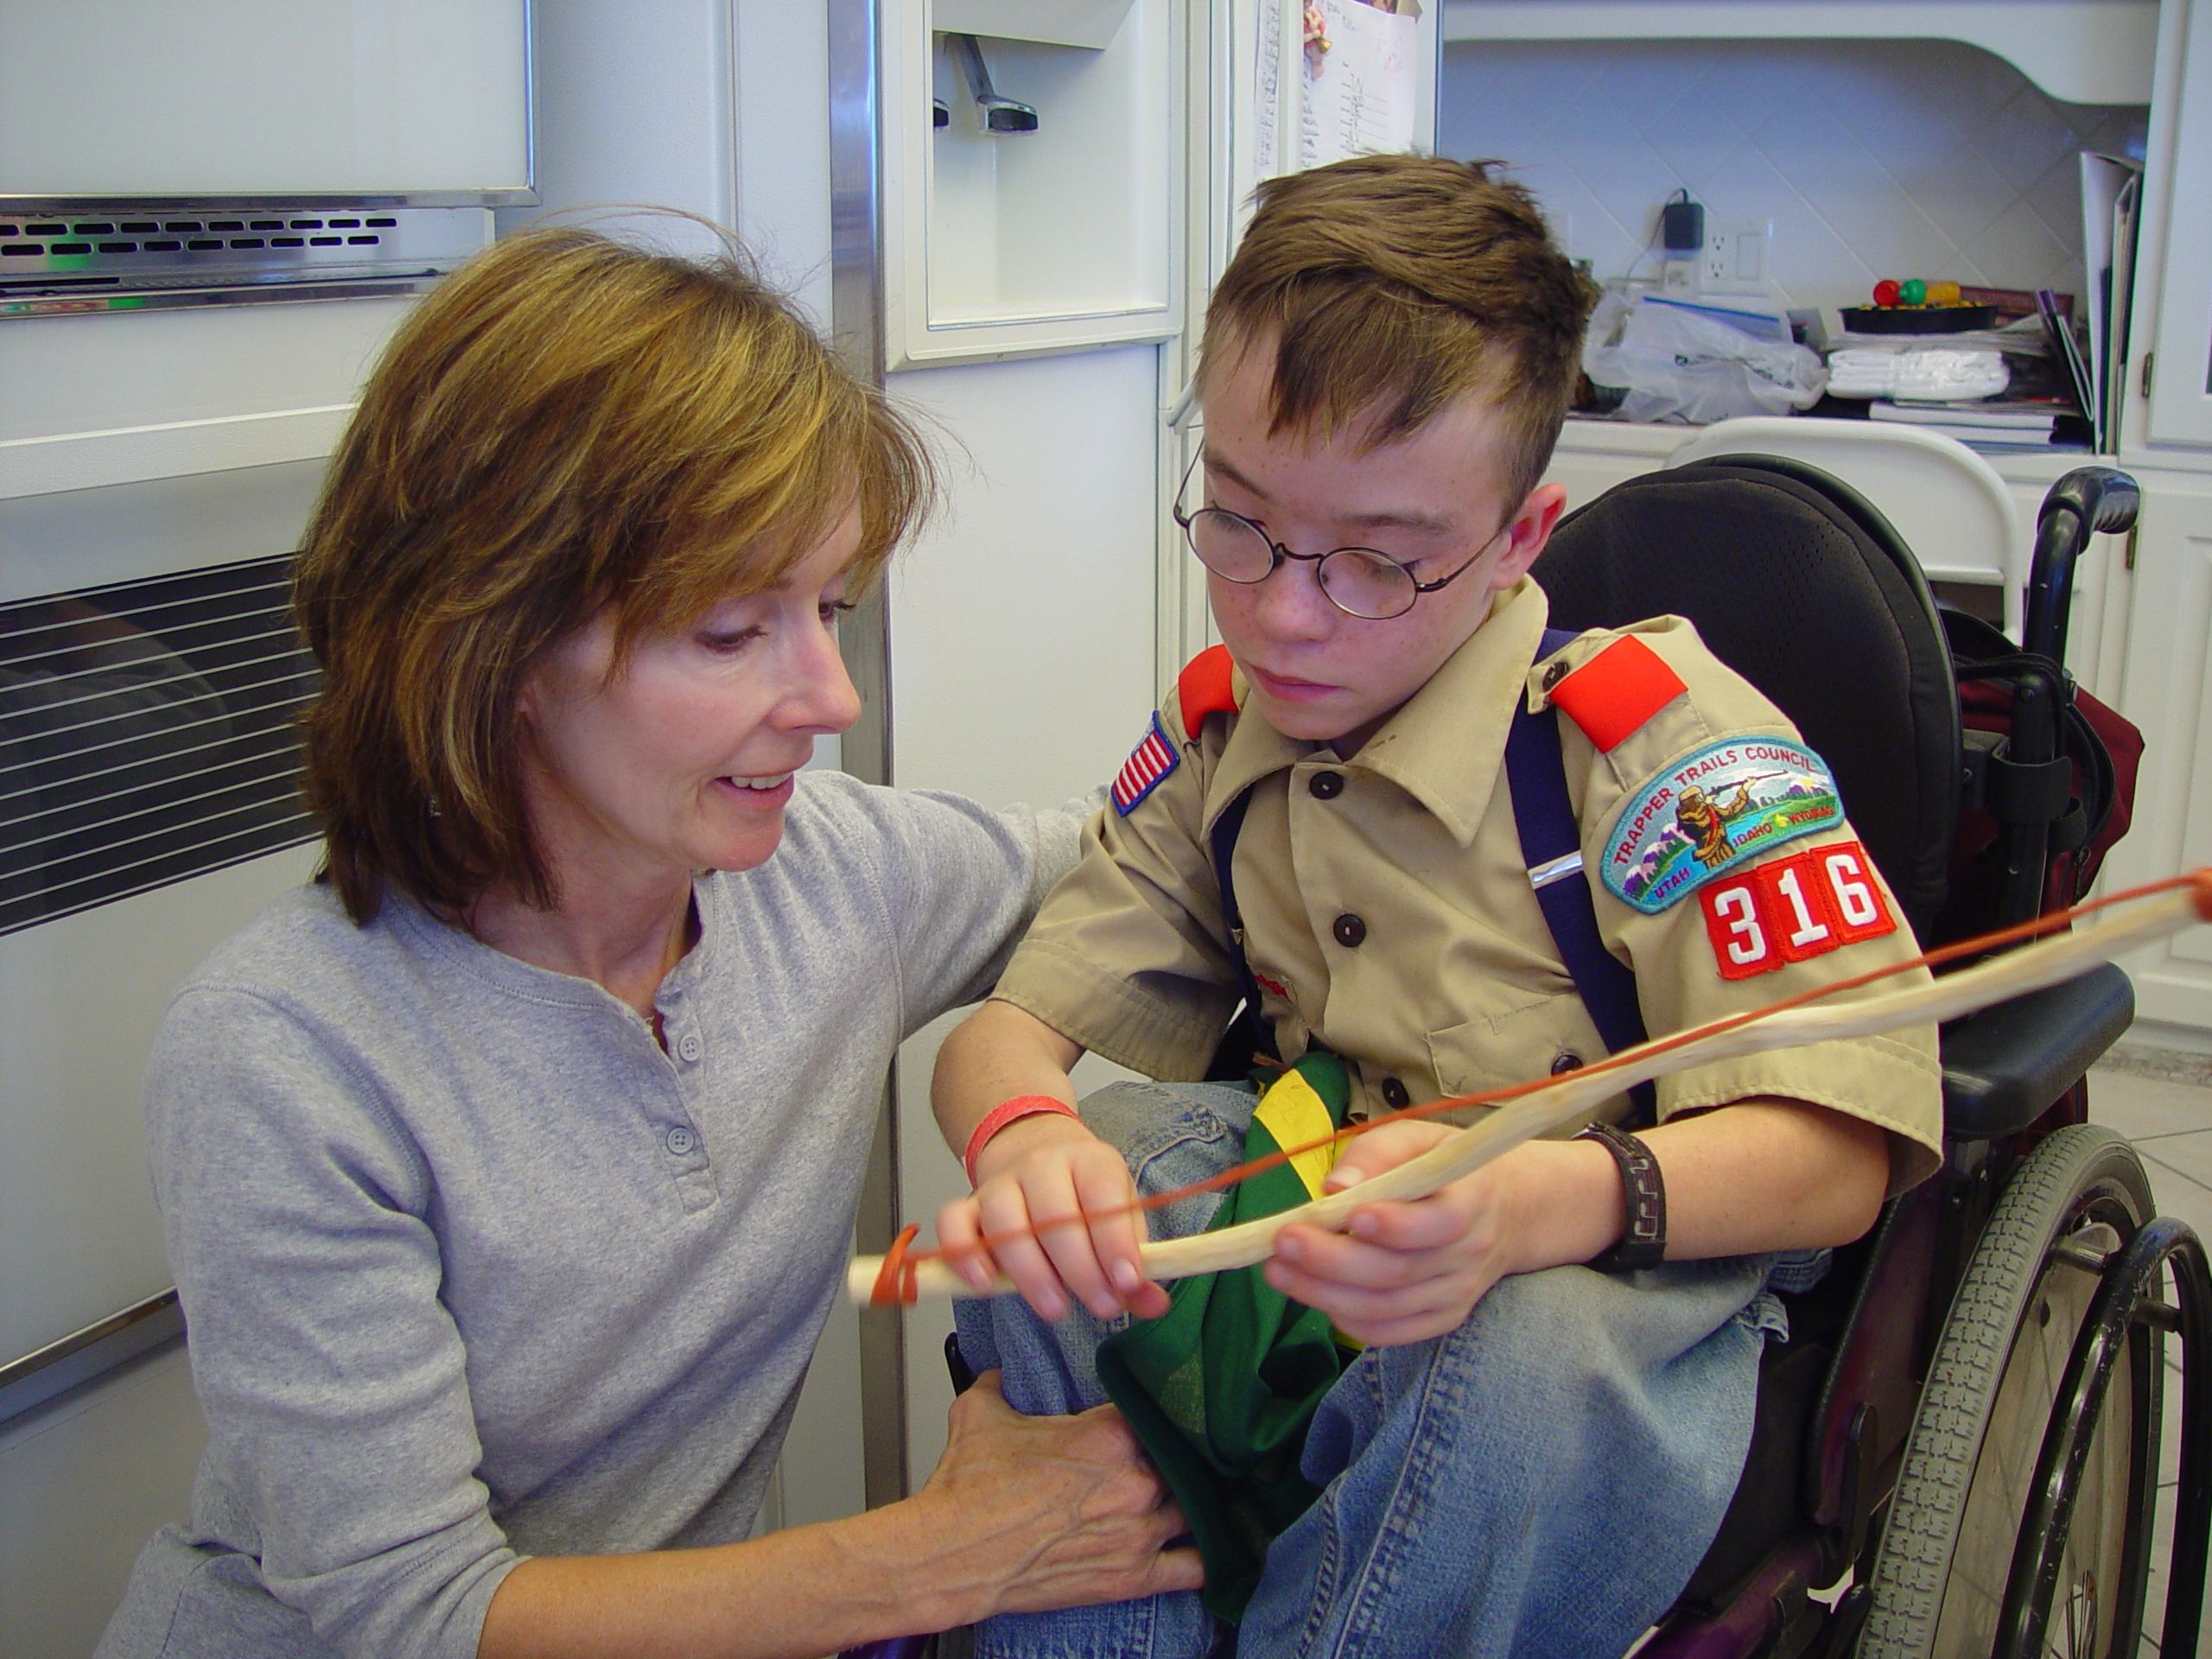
x,y
1393,285
566,426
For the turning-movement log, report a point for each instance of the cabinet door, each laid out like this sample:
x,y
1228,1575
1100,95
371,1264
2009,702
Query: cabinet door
x,y
2181,382
2168,693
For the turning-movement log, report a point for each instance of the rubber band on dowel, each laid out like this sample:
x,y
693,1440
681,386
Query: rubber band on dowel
x,y
894,1280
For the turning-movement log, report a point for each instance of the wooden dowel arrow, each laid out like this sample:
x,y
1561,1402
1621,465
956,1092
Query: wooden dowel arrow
x,y
1528,1110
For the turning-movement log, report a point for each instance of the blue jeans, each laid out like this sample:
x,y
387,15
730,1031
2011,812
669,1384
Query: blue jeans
x,y
1540,1483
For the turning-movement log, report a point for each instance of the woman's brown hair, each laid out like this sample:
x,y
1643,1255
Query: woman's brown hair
x,y
1391,286
565,426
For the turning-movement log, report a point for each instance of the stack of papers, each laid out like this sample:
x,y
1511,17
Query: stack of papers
x,y
2112,188
1995,424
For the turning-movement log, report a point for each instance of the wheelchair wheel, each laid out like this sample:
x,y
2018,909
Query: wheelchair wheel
x,y
1938,1583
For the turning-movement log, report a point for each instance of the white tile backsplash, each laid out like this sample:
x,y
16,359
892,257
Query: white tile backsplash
x,y
1872,158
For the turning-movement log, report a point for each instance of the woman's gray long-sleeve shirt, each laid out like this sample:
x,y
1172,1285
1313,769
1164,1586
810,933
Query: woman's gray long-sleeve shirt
x,y
473,1270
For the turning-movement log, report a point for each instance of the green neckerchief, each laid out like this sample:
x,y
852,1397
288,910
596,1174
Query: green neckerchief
x,y
1220,1387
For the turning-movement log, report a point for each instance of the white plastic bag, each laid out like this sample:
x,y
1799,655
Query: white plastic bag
x,y
1680,364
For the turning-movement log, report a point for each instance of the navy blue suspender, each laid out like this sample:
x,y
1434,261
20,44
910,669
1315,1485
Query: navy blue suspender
x,y
1249,1035
1551,846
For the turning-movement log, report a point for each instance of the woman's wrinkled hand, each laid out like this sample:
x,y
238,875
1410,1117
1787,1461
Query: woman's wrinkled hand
x,y
1047,1512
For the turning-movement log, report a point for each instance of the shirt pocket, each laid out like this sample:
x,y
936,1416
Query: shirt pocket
x,y
1516,1035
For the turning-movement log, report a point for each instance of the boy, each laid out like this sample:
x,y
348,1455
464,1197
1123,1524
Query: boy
x,y
1529,1457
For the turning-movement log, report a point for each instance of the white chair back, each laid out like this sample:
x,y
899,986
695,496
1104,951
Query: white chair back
x,y
1947,502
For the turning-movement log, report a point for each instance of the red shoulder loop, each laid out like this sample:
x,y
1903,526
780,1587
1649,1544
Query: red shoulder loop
x,y
1203,688
1614,693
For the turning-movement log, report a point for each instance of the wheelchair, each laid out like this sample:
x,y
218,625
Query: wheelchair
x,y
1956,1450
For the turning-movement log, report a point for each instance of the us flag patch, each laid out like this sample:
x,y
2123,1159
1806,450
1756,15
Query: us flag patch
x,y
1140,773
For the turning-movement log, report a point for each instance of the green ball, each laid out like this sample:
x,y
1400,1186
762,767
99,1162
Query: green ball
x,y
1913,291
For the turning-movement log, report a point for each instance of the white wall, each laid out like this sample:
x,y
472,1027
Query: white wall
x,y
86,1477
1021,662
1873,158
84,1481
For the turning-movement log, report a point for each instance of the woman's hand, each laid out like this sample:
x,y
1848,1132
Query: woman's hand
x,y
1022,1513
1046,1512
1057,1205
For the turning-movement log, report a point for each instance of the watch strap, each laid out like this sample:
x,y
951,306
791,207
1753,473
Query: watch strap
x,y
1642,1242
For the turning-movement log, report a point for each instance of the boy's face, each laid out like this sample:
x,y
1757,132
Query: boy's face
x,y
1432,499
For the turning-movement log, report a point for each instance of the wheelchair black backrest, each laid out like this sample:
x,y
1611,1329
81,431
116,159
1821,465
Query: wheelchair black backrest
x,y
1798,583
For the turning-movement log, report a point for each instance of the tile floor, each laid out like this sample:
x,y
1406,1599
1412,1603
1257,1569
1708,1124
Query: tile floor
x,y
2162,1101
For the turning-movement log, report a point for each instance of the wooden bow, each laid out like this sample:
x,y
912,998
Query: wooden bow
x,y
1527,1111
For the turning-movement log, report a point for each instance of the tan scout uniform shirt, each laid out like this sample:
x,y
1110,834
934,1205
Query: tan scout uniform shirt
x,y
1389,914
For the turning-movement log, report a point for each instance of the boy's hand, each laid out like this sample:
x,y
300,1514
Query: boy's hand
x,y
1402,1270
1036,1180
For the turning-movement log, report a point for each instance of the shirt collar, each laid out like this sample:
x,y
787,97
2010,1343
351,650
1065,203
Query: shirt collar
x,y
1444,745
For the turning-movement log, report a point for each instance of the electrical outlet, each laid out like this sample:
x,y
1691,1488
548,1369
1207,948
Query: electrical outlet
x,y
1735,257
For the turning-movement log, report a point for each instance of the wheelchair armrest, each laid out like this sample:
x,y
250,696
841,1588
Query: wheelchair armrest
x,y
2004,1065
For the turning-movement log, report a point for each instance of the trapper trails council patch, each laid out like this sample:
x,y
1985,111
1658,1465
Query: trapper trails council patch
x,y
1153,759
1723,805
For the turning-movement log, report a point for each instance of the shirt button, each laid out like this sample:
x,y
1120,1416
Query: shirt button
x,y
1565,1064
1325,786
1396,1095
1349,930
681,1142
689,1046
1554,675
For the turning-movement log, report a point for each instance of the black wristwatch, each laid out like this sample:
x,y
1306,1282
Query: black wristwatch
x,y
1643,1203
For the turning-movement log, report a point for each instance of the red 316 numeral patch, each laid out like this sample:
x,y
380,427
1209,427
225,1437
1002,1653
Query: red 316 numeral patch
x,y
1795,908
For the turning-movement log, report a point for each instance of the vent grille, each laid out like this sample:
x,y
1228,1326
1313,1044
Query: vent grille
x,y
130,259
39,241
146,735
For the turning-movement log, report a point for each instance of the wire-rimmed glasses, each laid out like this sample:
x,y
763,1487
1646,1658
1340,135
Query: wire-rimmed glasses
x,y
1360,581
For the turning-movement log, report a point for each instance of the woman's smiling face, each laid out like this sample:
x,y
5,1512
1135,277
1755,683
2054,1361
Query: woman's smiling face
x,y
682,760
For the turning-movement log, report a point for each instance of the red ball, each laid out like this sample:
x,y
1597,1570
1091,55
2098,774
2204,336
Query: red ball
x,y
1885,292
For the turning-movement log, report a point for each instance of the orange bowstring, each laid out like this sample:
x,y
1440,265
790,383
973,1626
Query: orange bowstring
x,y
895,1283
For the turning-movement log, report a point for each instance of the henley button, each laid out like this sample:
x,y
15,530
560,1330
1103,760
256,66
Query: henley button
x,y
1396,1095
689,1046
1565,1064
1325,786
681,1142
1349,930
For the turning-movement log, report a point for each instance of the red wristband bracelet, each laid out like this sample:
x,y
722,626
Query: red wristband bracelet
x,y
1005,1113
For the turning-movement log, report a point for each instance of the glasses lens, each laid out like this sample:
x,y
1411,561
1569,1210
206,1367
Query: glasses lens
x,y
1366,584
1229,547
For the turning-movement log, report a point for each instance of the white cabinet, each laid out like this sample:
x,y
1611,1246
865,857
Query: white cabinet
x,y
1060,229
2173,342
2166,693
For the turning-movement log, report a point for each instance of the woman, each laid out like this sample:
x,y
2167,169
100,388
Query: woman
x,y
508,1169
